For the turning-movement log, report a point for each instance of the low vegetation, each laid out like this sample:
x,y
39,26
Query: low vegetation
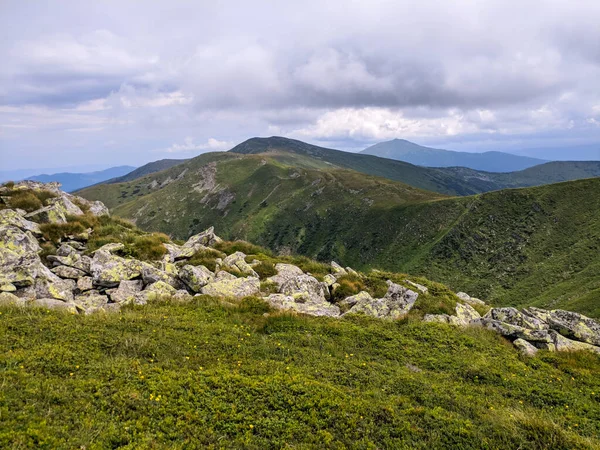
x,y
210,374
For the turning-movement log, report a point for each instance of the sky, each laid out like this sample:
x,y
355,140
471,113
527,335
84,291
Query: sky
x,y
126,82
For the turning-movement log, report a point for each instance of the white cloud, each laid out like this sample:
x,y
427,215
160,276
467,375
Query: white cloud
x,y
189,146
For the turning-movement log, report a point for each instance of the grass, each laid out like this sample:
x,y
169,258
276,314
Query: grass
x,y
214,375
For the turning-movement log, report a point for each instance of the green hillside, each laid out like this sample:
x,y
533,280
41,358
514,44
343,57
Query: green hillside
x,y
528,246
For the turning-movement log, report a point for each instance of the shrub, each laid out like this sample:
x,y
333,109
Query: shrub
x,y
230,247
26,200
265,269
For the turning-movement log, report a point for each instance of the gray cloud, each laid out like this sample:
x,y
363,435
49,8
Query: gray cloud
x,y
352,73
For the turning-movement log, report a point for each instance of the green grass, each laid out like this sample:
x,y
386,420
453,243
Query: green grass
x,y
206,375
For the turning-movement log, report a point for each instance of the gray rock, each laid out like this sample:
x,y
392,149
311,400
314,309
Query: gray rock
x,y
525,348
515,317
75,260
85,284
13,218
151,274
6,298
126,292
66,250
97,208
398,301
236,288
300,305
68,272
468,299
90,302
18,269
109,270
18,241
52,303
285,272
196,277
48,214
575,326
417,286
329,280
177,253
349,302
207,238
112,247
466,314
436,318
237,261
66,205
338,271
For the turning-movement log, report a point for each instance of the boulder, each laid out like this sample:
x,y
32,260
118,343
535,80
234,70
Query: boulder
x,y
54,287
64,202
97,208
329,280
85,284
468,299
304,287
13,218
516,332
436,318
65,250
155,291
112,247
237,261
52,303
74,260
285,272
90,302
177,253
238,287
126,292
525,348
109,270
6,298
68,272
207,238
349,302
417,286
574,326
18,269
514,317
7,286
20,242
151,274
48,214
298,304
398,301
337,270
466,314
196,277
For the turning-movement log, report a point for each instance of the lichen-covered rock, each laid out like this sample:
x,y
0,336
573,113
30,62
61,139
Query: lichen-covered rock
x,y
525,348
97,208
285,272
109,270
85,284
19,270
112,247
238,287
515,317
398,301
151,274
64,202
75,260
65,250
237,261
436,318
48,214
52,303
516,332
6,298
417,286
155,291
329,280
126,292
20,242
468,299
465,313
298,304
575,326
7,286
177,252
68,272
90,302
564,344
196,277
349,302
54,287
13,218
207,238
338,271
306,287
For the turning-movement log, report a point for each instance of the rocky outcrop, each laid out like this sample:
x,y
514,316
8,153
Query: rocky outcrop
x,y
196,277
396,303
232,288
237,261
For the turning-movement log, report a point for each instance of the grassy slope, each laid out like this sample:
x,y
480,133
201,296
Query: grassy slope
x,y
208,375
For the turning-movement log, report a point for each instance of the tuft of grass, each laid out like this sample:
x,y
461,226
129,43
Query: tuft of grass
x,y
230,247
265,269
25,200
206,257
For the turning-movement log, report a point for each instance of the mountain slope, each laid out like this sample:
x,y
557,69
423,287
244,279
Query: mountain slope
x,y
73,181
450,181
410,152
146,169
512,246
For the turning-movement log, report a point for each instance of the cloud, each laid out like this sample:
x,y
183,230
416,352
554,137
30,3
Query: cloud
x,y
350,74
189,146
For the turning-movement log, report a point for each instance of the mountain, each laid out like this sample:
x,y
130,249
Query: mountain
x,y
146,169
449,180
410,152
590,152
526,246
74,181
118,338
